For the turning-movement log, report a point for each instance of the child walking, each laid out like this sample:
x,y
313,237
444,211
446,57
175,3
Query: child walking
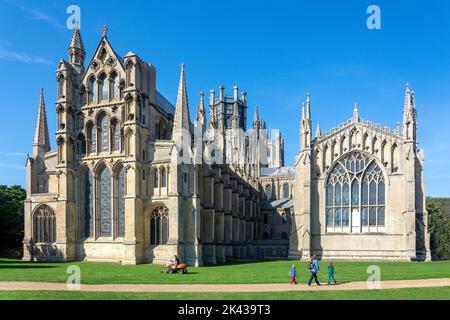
x,y
331,272
292,274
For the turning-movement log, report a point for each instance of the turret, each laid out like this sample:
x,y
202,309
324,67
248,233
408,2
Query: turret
x,y
212,112
76,51
305,126
200,118
235,117
355,113
409,116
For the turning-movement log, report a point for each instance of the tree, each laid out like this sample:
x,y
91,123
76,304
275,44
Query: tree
x,y
439,228
11,217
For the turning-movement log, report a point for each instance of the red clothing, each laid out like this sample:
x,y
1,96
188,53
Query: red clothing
x,y
293,281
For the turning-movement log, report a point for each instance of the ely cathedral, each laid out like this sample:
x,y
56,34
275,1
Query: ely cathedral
x,y
133,179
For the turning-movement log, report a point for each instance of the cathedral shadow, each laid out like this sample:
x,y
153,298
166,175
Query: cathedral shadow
x,y
244,262
25,266
316,238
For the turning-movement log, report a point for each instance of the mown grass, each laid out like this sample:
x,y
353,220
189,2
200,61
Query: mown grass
x,y
438,293
242,272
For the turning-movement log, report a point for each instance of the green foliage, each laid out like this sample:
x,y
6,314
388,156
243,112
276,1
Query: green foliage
x,y
439,227
11,217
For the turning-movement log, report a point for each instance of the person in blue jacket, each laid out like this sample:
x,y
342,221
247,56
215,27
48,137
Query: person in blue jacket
x,y
313,267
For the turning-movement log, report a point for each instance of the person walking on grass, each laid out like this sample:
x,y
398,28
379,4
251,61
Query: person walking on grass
x,y
331,272
293,274
313,267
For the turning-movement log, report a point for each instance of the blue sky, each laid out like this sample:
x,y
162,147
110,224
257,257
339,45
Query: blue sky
x,y
275,50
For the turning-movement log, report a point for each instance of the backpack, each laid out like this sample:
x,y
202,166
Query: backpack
x,y
310,265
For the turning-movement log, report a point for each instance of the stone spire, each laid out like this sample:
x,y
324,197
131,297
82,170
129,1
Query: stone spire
x,y
212,113
201,106
200,117
256,118
409,115
318,131
305,125
355,113
41,141
76,50
181,120
308,106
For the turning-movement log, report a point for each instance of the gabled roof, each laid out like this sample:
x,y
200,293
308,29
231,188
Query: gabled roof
x,y
278,172
164,104
104,43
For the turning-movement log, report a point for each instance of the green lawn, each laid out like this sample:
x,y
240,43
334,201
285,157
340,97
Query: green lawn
x,y
440,293
245,272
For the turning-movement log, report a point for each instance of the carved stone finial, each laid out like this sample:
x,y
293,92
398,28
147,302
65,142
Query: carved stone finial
x,y
104,30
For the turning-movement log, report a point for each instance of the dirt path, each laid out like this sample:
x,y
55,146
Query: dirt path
x,y
392,284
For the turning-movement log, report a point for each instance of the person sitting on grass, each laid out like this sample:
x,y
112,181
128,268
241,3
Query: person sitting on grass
x,y
292,274
313,267
331,272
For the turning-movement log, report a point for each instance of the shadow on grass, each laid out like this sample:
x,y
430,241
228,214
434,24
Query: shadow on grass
x,y
26,267
236,263
8,261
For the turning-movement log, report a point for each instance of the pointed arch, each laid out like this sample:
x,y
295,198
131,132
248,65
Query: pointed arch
x,y
92,90
356,182
159,225
103,200
114,85
103,125
119,196
44,224
87,202
395,158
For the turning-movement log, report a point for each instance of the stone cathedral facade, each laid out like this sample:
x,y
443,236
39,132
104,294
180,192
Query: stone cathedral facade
x,y
115,189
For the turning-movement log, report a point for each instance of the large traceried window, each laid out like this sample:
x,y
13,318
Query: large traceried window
x,y
355,194
104,202
87,204
121,203
44,225
159,226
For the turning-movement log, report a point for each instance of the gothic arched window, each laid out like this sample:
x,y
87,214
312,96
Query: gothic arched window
x,y
115,135
269,191
91,138
81,145
114,88
103,133
104,202
163,177
87,203
286,193
44,225
355,190
93,96
155,178
159,226
121,202
103,87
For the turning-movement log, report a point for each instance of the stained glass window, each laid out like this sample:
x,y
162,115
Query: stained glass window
x,y
356,182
